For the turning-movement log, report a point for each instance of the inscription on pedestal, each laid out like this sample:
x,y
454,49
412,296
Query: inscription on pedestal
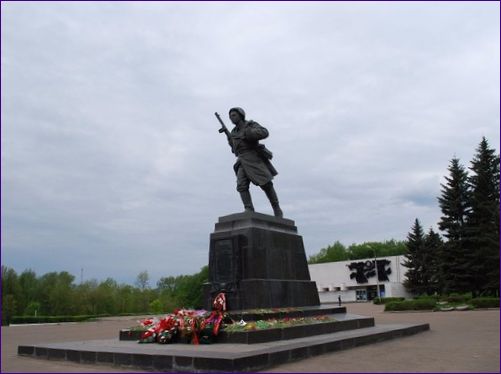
x,y
224,261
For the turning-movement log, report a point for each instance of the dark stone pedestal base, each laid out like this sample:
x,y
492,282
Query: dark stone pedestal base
x,y
259,262
229,357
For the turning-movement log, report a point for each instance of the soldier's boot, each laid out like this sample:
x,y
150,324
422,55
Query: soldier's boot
x,y
272,196
247,200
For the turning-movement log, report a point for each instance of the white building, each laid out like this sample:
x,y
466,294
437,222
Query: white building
x,y
358,280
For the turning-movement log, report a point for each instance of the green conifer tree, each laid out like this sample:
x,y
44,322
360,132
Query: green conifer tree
x,y
483,219
454,202
433,244
414,260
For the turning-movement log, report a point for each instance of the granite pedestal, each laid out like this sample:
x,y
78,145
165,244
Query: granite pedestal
x,y
258,261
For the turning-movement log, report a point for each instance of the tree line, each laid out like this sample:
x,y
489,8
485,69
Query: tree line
x,y
466,259
339,252
56,294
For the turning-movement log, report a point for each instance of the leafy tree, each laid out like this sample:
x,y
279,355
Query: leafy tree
x,y
10,282
11,294
376,249
87,300
183,290
156,306
454,202
414,260
45,285
106,295
29,283
143,280
32,309
190,288
335,252
125,299
483,219
61,295
167,285
167,288
9,308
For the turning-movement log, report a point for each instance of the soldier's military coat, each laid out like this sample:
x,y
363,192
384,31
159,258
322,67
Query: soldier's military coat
x,y
245,144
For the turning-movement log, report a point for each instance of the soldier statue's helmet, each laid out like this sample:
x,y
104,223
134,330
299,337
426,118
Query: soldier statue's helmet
x,y
240,111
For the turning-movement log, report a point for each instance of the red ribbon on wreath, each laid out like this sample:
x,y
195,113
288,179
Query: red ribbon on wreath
x,y
216,316
219,302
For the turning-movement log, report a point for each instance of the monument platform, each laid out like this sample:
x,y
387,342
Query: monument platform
x,y
259,263
256,353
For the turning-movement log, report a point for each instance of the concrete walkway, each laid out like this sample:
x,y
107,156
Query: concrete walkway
x,y
458,342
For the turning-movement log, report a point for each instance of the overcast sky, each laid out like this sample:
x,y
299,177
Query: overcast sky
x,y
111,158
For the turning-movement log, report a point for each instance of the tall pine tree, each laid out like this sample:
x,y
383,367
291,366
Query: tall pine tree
x,y
454,202
483,219
414,260
433,252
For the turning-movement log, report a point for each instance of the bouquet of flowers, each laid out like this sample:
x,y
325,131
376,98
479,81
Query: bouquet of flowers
x,y
185,325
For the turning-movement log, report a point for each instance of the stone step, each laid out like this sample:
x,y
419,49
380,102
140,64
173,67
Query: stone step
x,y
255,315
342,322
228,357
308,311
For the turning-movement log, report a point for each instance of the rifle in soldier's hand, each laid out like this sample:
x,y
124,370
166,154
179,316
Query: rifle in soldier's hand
x,y
224,129
223,126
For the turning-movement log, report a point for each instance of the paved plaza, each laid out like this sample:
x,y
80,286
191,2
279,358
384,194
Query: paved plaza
x,y
457,342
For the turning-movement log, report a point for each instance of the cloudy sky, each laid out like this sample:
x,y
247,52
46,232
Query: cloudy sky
x,y
111,158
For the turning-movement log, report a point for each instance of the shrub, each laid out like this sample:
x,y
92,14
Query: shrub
x,y
396,305
485,302
457,298
424,304
385,300
420,304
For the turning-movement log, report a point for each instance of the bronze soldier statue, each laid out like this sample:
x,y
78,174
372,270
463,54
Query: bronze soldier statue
x,y
253,159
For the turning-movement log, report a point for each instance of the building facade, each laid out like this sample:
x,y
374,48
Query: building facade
x,y
360,280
